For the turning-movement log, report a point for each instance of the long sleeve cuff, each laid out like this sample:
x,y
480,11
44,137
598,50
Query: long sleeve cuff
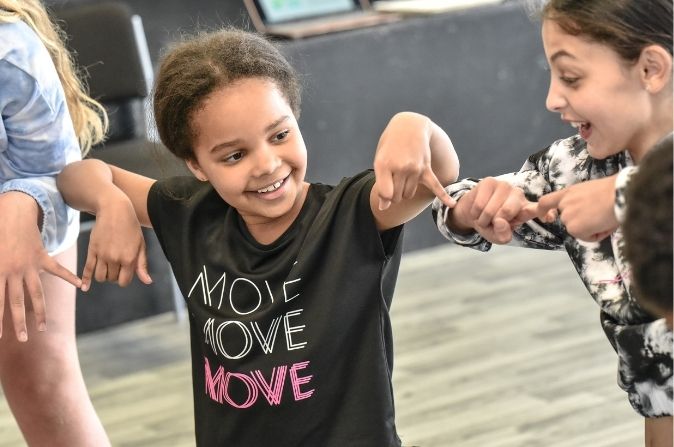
x,y
56,217
440,212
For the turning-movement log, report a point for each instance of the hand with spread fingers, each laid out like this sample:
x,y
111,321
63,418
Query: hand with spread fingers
x,y
22,259
586,208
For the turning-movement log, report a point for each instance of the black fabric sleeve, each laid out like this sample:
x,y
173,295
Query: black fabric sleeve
x,y
389,239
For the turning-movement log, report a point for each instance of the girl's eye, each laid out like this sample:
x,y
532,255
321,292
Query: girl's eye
x,y
233,158
568,80
281,136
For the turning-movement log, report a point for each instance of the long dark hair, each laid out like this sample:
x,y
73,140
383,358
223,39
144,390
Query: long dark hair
x,y
627,26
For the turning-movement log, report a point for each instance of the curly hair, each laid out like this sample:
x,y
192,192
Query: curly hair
x,y
88,116
648,228
202,64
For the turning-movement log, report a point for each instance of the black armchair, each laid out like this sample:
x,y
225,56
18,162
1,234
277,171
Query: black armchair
x,y
108,41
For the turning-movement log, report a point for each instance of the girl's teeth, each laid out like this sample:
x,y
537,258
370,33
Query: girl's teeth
x,y
270,188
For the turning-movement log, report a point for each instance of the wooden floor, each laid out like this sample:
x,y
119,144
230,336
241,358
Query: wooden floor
x,y
492,350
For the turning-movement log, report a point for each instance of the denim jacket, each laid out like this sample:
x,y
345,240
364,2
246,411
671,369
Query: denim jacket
x,y
37,138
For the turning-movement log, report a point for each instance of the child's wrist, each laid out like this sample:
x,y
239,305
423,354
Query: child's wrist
x,y
458,221
109,198
24,203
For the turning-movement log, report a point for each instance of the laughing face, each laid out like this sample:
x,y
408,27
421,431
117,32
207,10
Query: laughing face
x,y
596,92
248,146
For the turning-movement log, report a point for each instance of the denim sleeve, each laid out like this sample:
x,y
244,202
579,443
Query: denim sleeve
x,y
55,213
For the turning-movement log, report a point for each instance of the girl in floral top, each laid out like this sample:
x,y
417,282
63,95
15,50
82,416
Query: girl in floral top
x,y
611,79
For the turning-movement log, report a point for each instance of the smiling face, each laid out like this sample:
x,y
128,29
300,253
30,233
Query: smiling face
x,y
597,92
248,146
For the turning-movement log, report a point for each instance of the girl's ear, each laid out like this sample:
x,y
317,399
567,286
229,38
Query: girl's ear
x,y
193,165
655,67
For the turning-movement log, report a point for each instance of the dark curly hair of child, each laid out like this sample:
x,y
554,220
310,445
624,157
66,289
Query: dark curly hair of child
x,y
648,229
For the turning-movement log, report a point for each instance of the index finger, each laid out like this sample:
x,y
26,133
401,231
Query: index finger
x,y
532,210
56,269
551,200
88,272
430,181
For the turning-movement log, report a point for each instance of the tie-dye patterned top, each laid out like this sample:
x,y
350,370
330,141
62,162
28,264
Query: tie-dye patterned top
x,y
644,346
37,138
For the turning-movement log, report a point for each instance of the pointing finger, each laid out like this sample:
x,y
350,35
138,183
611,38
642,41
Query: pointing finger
x,y
430,181
88,272
550,201
56,269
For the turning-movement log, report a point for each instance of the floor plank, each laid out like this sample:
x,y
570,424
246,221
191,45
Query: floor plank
x,y
492,350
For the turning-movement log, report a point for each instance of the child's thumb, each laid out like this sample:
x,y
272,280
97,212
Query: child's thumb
x,y
141,267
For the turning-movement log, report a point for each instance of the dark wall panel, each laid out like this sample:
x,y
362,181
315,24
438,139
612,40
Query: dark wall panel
x,y
480,74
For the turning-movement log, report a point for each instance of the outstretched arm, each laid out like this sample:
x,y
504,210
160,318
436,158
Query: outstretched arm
x,y
523,206
493,208
118,198
415,158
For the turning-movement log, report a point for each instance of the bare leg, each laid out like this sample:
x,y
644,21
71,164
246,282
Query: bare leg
x,y
41,378
658,432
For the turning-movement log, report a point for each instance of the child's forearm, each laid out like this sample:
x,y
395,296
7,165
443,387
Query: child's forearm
x,y
116,245
88,186
444,161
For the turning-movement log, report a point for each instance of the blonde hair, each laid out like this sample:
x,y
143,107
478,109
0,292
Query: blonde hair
x,y
88,115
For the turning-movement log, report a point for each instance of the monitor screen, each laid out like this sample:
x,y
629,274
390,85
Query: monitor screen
x,y
276,11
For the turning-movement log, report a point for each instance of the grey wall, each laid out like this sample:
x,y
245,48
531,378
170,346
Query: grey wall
x,y
480,74
165,20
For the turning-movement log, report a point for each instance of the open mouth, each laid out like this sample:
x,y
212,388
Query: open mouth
x,y
273,187
584,128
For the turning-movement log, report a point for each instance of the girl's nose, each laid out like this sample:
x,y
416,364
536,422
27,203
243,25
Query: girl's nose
x,y
555,101
267,161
